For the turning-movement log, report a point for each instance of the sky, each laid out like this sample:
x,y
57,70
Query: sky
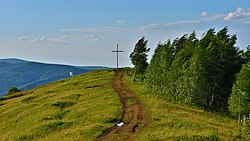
x,y
84,32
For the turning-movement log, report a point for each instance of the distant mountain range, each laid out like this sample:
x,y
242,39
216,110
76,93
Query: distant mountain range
x,y
27,75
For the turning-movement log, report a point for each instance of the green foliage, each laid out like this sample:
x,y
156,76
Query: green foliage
x,y
246,127
198,72
171,120
223,62
239,102
246,54
158,70
212,135
13,90
139,57
237,135
195,79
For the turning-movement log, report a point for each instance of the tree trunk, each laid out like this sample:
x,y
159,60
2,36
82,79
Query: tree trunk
x,y
134,74
238,118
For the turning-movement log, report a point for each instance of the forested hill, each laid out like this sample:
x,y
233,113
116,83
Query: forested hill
x,y
26,75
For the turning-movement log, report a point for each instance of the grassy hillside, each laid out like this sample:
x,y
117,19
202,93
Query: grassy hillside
x,y
82,107
172,121
27,75
79,108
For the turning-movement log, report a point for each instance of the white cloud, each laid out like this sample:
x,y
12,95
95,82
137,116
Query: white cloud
x,y
229,16
123,21
112,30
40,40
145,28
65,39
203,13
240,14
61,40
175,29
90,39
23,38
173,26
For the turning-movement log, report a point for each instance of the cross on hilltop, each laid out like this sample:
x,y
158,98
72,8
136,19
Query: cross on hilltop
x,y
117,52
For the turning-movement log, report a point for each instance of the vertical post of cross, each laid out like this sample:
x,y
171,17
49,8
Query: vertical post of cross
x,y
117,57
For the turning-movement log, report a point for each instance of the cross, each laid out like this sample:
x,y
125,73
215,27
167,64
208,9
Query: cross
x,y
117,52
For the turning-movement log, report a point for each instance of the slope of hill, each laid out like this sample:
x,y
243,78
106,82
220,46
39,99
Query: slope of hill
x,y
170,120
26,75
13,61
78,108
85,106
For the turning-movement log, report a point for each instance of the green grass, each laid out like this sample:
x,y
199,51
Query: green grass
x,y
82,107
173,121
79,108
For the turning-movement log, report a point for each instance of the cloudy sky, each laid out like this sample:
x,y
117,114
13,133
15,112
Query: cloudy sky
x,y
84,32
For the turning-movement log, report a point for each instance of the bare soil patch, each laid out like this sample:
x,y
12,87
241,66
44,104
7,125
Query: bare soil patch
x,y
133,115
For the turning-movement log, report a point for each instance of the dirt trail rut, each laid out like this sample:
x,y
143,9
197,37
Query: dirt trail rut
x,y
133,113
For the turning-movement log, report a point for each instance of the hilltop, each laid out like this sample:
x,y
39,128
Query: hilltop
x,y
28,74
85,106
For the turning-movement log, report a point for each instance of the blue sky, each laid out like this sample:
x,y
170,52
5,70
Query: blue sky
x,y
84,32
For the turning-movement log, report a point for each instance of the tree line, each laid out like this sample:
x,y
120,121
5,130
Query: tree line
x,y
205,72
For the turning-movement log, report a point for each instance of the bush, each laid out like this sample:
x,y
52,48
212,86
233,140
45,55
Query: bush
x,y
13,90
246,127
212,135
63,104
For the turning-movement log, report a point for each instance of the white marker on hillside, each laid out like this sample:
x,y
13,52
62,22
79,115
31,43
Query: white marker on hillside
x,y
120,124
71,74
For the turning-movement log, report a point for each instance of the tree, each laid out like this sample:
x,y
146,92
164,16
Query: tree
x,y
246,54
185,46
139,57
154,71
222,65
198,72
13,90
159,67
195,79
239,101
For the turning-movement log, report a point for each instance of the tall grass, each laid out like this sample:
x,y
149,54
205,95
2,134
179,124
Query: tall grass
x,y
79,108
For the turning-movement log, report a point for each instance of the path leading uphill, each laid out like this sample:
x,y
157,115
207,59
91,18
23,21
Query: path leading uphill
x,y
133,115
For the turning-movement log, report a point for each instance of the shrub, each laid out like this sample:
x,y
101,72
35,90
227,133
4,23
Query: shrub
x,y
246,127
13,90
212,135
63,104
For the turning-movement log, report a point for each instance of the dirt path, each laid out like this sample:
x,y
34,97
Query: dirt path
x,y
133,115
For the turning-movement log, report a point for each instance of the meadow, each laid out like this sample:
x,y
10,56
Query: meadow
x,y
78,108
82,107
169,120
